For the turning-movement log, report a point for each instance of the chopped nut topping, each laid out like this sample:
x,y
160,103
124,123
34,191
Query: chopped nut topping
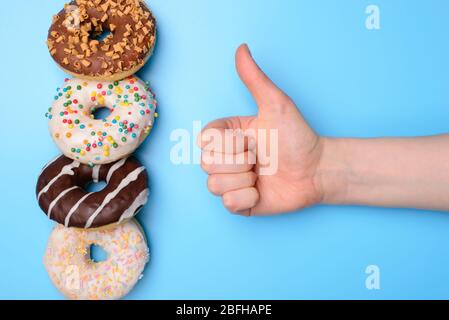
x,y
140,38
105,6
55,19
77,65
84,46
50,43
118,48
125,46
138,25
94,43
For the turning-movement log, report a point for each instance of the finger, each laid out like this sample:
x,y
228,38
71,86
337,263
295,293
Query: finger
x,y
264,91
220,184
240,201
220,163
226,135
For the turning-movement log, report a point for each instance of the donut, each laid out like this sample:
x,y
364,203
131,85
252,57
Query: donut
x,y
68,263
92,141
62,196
75,38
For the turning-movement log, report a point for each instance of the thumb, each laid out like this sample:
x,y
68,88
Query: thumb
x,y
264,91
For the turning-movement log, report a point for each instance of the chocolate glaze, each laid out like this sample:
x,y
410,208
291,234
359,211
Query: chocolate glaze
x,y
61,187
135,31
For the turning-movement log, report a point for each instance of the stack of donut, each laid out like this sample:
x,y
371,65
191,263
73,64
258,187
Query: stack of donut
x,y
97,150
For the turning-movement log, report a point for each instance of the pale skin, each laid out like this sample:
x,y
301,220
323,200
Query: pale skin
x,y
385,172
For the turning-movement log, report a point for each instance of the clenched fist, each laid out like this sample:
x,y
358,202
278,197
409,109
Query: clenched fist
x,y
266,164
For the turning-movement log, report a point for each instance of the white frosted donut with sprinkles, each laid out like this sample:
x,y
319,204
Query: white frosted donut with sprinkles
x,y
81,137
68,263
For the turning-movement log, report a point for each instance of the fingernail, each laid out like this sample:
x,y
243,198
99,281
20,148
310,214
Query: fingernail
x,y
252,143
249,50
245,213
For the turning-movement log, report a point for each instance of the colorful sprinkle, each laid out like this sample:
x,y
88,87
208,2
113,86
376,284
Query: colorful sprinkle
x,y
130,102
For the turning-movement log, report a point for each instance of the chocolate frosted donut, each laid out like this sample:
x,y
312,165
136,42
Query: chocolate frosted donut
x,y
61,195
75,43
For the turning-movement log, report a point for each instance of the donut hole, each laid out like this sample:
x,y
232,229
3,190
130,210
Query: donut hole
x,y
95,186
100,35
97,254
101,112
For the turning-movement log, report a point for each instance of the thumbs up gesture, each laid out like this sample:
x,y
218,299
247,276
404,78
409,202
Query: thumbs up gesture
x,y
266,164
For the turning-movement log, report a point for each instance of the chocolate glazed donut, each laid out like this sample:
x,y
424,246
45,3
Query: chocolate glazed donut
x,y
74,38
61,195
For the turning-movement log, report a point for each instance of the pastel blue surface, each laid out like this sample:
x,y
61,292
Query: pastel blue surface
x,y
349,81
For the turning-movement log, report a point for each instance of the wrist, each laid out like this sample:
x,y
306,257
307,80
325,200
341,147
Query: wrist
x,y
333,171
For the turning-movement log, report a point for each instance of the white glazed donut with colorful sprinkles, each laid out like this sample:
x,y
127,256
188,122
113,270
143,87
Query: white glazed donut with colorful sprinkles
x,y
68,263
93,141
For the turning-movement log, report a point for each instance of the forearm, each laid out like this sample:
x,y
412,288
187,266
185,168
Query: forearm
x,y
408,173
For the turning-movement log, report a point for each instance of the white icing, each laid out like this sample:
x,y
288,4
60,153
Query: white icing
x,y
54,202
66,170
71,136
123,184
96,173
74,208
140,201
77,277
114,168
49,164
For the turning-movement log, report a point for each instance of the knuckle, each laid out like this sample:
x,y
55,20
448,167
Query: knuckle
x,y
200,140
230,203
252,178
207,163
283,99
255,197
213,185
206,167
283,103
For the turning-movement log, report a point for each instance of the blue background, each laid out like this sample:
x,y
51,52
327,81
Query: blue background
x,y
348,81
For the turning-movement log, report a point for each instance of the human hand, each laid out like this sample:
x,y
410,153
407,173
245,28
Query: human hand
x,y
294,153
